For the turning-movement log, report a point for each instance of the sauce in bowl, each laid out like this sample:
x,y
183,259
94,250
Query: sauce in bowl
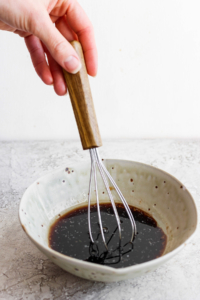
x,y
69,235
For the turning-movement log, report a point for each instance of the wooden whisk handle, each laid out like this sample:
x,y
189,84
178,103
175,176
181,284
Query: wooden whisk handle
x,y
82,103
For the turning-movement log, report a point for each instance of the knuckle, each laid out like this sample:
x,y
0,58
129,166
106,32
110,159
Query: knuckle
x,y
39,68
34,50
39,64
56,71
59,47
35,22
86,31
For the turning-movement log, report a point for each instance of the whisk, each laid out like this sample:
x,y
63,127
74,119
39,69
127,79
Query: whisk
x,y
82,103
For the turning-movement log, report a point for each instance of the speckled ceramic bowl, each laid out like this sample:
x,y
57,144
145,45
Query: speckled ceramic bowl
x,y
151,189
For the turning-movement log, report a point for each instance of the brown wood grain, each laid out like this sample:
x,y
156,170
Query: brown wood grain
x,y
82,103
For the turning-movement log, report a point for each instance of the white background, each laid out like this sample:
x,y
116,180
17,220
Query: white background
x,y
148,83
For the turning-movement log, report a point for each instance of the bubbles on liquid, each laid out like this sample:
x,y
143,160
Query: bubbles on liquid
x,y
105,230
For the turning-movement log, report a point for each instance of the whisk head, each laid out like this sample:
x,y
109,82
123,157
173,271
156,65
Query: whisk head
x,y
96,162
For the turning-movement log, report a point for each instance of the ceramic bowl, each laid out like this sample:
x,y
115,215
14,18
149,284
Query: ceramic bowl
x,y
143,186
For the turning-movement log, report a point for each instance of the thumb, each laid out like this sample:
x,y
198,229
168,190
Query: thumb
x,y
59,48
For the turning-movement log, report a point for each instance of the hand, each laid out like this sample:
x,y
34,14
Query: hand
x,y
34,20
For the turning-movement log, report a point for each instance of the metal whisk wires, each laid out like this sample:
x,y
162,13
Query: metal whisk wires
x,y
96,162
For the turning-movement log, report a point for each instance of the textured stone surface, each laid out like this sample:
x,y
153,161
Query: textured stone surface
x,y
25,273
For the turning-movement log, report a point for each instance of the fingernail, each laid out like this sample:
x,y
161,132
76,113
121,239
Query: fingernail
x,y
72,65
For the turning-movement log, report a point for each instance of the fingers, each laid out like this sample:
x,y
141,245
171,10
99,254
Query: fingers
x,y
49,74
38,59
81,25
58,78
57,45
64,28
59,48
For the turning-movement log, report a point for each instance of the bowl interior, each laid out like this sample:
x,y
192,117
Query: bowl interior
x,y
143,186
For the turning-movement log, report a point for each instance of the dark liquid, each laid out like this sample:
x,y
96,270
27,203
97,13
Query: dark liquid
x,y
69,235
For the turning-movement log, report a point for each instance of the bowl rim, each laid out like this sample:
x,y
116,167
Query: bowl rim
x,y
103,268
